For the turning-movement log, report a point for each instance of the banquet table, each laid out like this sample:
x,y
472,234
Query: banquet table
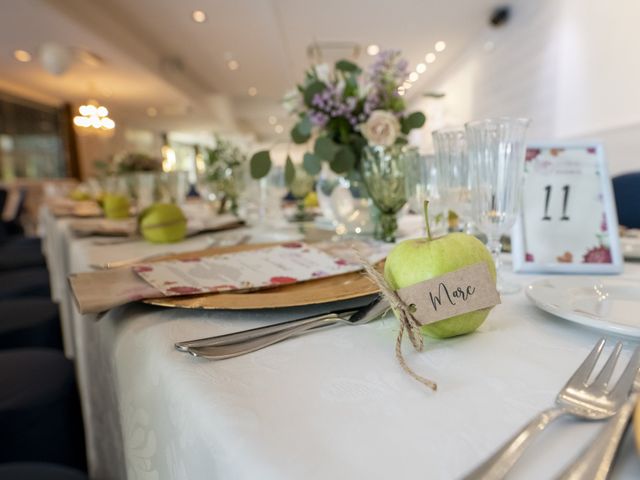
x,y
331,404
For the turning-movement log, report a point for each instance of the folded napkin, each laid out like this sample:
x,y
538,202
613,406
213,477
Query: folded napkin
x,y
129,227
65,207
221,270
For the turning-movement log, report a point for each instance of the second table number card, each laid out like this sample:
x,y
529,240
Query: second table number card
x,y
568,222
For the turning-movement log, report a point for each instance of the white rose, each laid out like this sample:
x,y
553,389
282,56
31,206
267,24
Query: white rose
x,y
323,72
382,128
292,101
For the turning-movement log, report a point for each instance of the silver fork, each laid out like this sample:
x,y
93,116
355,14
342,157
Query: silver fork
x,y
590,401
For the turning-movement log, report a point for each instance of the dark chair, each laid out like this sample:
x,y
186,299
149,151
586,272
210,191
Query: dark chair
x,y
27,282
21,252
626,189
39,408
13,225
29,322
39,471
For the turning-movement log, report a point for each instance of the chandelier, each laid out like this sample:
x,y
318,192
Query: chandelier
x,y
95,116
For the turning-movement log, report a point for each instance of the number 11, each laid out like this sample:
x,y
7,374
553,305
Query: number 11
x,y
565,201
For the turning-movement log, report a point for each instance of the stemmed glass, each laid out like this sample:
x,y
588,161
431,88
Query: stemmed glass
x,y
496,159
383,171
422,183
453,166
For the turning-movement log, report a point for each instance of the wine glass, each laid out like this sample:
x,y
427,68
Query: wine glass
x,y
496,158
453,165
383,171
422,184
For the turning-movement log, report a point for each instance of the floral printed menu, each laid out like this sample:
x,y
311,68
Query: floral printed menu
x,y
254,269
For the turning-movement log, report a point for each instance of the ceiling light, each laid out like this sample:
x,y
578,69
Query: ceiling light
x,y
94,115
233,64
440,46
273,120
407,85
279,128
421,67
253,91
152,112
413,76
102,111
373,49
430,57
22,56
401,91
198,16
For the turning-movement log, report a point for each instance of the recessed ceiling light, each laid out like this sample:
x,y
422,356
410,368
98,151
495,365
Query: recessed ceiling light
x,y
22,56
152,112
430,57
233,65
421,67
253,91
373,49
413,76
198,16
279,128
440,46
273,120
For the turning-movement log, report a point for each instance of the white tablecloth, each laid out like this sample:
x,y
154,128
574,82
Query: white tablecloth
x,y
332,404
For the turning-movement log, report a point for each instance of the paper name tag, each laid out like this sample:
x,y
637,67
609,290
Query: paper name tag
x,y
461,291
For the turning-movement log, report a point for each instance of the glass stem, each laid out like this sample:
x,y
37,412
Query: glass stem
x,y
495,246
388,227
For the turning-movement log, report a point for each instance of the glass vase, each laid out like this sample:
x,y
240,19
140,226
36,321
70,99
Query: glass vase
x,y
384,170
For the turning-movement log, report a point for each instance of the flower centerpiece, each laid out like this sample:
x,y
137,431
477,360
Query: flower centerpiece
x,y
223,169
345,110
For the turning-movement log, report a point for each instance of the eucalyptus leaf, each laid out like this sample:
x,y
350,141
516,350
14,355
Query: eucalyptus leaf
x,y
325,148
260,164
304,125
343,161
347,66
297,136
311,163
314,88
415,120
289,171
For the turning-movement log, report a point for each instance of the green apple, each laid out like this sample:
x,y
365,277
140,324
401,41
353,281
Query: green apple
x,y
115,206
416,260
163,223
79,195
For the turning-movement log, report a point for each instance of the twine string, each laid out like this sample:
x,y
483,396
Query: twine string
x,y
406,319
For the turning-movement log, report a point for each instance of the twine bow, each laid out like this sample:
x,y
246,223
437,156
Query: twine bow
x,y
407,321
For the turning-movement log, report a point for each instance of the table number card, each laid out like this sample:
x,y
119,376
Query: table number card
x,y
568,221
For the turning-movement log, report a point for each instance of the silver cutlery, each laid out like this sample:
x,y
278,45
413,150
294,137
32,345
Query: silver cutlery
x,y
596,460
363,315
590,401
243,335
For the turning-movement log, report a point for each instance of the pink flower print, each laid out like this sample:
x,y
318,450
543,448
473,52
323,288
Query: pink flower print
x,y
556,151
282,280
319,273
142,269
591,150
292,245
184,290
599,254
603,223
528,257
532,153
341,261
169,282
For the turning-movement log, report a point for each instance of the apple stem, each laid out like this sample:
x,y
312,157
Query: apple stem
x,y
426,218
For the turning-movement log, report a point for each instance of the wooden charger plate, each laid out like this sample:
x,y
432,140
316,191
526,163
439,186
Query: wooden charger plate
x,y
312,292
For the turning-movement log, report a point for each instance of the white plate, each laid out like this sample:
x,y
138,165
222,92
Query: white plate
x,y
611,304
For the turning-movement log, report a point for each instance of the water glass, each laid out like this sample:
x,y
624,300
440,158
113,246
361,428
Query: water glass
x,y
176,187
145,183
453,166
384,170
422,184
497,156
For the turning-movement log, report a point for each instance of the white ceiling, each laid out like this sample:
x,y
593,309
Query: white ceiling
x,y
142,41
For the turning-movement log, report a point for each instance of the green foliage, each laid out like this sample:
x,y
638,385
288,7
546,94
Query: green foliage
x,y
343,161
260,164
415,120
311,163
289,171
347,66
325,148
310,91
